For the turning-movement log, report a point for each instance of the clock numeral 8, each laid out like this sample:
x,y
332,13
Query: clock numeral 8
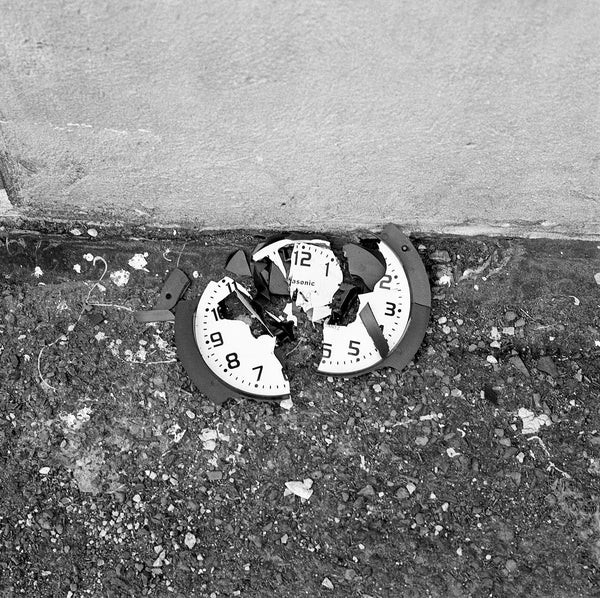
x,y
232,360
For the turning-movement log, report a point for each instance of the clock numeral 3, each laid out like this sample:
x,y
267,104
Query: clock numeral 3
x,y
217,339
232,360
326,350
353,348
385,282
304,260
260,370
390,309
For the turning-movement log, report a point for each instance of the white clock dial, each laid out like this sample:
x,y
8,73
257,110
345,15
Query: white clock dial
x,y
271,251
314,278
350,349
228,347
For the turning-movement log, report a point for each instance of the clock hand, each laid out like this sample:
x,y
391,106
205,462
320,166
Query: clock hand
x,y
244,301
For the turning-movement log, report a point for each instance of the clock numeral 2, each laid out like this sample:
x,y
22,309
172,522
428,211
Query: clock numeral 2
x,y
353,348
232,360
390,309
326,350
384,283
216,338
260,370
304,260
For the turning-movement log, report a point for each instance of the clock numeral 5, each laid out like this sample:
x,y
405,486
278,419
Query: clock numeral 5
x,y
353,348
217,339
304,260
232,360
326,350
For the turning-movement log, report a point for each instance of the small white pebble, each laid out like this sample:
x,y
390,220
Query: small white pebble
x,y
452,453
459,551
92,232
45,470
491,359
195,274
377,387
326,583
190,414
76,232
410,487
38,272
286,404
77,268
445,507
88,257
442,320
190,540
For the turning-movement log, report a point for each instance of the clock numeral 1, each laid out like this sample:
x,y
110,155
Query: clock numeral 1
x,y
260,370
385,282
232,360
353,348
327,269
326,350
216,338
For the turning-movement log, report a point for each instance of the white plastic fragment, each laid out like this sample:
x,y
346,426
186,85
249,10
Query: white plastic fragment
x,y
410,487
45,470
326,583
120,277
38,272
597,277
302,489
286,404
92,232
189,540
576,301
88,257
491,359
531,422
138,261
75,232
100,336
452,453
77,268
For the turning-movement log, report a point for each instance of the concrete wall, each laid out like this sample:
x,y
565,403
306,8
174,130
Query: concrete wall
x,y
314,114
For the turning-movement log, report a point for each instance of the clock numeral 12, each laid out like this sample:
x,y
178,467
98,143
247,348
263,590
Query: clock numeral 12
x,y
304,260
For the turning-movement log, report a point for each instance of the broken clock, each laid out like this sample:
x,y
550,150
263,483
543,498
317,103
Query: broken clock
x,y
369,301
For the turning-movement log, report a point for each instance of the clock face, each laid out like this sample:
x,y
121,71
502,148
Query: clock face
x,y
372,307
230,350
351,349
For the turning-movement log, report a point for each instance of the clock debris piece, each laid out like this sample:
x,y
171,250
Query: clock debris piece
x,y
173,289
238,264
364,264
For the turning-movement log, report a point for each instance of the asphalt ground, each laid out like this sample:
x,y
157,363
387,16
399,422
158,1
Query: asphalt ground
x,y
473,472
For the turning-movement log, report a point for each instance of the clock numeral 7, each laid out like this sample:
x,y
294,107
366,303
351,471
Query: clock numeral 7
x,y
260,370
304,260
232,360
216,338
353,348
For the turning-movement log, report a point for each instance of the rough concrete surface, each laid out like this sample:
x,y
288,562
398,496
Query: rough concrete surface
x,y
468,116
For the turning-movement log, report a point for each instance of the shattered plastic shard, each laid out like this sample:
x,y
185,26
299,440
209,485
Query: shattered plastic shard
x,y
138,262
238,264
301,489
364,264
531,422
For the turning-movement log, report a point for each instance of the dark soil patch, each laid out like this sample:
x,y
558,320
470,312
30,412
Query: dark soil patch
x,y
124,481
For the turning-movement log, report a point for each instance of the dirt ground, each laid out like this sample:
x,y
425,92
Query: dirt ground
x,y
474,472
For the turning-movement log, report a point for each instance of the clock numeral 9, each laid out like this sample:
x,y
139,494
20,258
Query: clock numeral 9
x,y
232,360
326,350
353,348
390,309
216,338
384,283
304,260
